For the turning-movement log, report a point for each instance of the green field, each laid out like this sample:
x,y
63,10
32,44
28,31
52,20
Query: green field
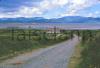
x,y
23,40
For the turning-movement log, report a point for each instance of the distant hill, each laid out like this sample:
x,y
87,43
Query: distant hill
x,y
67,19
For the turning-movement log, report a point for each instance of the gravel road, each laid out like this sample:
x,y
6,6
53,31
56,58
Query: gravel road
x,y
56,56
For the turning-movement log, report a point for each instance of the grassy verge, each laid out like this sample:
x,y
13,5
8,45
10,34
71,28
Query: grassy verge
x,y
76,57
87,54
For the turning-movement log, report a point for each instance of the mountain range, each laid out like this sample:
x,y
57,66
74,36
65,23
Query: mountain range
x,y
67,19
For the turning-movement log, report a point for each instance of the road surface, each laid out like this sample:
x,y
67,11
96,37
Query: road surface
x,y
56,56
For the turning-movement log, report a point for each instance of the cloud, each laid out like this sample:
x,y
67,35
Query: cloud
x,y
76,5
50,4
29,11
22,12
35,10
32,8
95,14
14,5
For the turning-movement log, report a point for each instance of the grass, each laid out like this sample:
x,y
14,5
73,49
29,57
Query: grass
x,y
76,57
87,54
10,48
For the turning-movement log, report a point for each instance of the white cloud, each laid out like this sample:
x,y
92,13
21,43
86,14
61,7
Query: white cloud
x,y
9,15
77,5
22,12
72,7
25,11
94,14
60,2
78,2
44,5
50,4
29,11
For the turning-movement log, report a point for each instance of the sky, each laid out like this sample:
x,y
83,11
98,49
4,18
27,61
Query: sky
x,y
49,8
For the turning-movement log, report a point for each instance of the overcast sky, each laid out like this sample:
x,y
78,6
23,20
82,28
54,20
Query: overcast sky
x,y
49,8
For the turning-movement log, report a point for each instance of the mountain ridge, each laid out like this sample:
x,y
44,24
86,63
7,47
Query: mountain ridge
x,y
66,19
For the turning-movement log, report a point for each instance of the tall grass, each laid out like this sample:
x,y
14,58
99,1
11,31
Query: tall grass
x,y
91,53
